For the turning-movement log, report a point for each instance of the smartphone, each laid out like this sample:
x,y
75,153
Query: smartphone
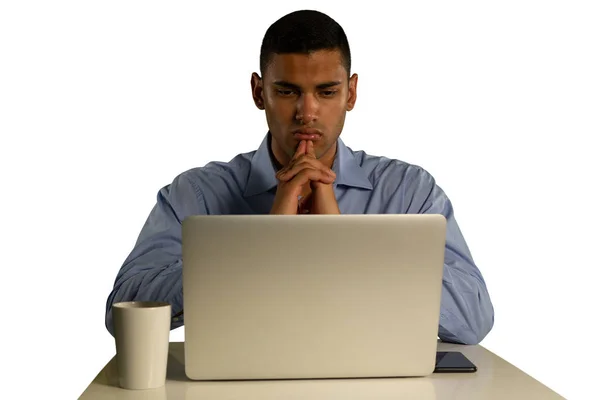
x,y
453,361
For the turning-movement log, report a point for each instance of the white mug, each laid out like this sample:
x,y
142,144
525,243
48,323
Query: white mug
x,y
142,343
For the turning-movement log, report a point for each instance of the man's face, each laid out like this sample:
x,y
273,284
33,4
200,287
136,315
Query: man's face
x,y
305,97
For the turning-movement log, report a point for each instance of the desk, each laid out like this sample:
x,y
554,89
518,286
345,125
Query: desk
x,y
495,379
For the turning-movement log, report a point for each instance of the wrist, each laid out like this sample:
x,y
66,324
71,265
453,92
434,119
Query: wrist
x,y
324,200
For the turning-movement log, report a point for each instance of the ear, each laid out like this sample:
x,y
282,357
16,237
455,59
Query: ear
x,y
352,82
257,91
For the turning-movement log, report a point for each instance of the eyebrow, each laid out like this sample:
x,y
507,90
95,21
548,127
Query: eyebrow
x,y
289,85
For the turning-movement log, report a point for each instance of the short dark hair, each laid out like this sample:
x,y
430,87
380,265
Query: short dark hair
x,y
304,31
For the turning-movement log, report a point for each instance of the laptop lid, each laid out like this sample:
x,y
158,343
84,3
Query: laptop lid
x,y
311,296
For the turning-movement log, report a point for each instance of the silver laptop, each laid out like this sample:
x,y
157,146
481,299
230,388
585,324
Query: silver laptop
x,y
312,296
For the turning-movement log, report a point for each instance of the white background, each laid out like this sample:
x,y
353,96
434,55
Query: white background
x,y
104,103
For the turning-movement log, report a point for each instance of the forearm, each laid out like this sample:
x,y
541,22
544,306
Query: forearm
x,y
466,314
153,270
466,311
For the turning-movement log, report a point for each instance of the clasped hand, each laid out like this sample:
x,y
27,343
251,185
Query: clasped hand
x,y
305,171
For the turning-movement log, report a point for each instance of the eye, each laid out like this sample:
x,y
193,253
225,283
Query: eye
x,y
329,93
285,92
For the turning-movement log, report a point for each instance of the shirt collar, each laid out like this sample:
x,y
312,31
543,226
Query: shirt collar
x,y
345,165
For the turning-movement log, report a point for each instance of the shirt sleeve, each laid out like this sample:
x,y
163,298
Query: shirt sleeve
x,y
466,313
153,269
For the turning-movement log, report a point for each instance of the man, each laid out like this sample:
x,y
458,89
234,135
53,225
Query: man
x,y
302,166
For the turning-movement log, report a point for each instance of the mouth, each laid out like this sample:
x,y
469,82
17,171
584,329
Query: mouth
x,y
307,134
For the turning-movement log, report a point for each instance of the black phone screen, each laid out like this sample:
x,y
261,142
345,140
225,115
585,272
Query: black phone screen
x,y
453,361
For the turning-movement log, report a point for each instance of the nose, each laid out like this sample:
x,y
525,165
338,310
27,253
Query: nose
x,y
307,109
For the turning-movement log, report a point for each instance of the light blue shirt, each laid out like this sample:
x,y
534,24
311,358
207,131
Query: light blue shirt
x,y
365,184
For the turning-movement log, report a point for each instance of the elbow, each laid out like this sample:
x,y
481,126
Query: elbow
x,y
469,331
466,336
108,319
477,332
485,322
487,326
108,316
474,337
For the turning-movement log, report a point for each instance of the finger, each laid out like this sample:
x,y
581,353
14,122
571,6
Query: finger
x,y
306,164
310,149
308,174
300,150
301,164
